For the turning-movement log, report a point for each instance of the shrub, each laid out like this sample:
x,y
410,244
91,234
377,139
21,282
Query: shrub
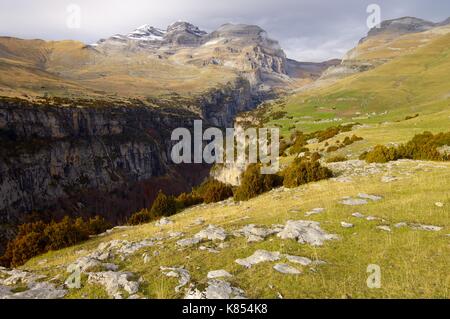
x,y
185,200
254,183
315,156
26,247
304,171
163,205
65,233
97,225
140,217
332,148
300,140
283,147
380,154
337,158
217,192
355,138
212,191
328,133
36,238
421,147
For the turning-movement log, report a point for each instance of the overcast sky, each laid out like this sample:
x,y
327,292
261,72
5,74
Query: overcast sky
x,y
308,30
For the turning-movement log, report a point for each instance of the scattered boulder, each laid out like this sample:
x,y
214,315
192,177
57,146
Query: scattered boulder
x,y
286,269
315,211
353,201
84,264
305,232
426,227
343,179
175,234
361,200
259,256
439,204
358,215
16,276
188,242
208,249
400,225
178,272
299,260
212,233
114,282
384,228
163,222
254,233
346,225
217,289
37,290
218,274
388,179
199,221
371,197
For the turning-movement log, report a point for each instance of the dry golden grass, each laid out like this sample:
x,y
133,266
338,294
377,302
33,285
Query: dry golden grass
x,y
414,263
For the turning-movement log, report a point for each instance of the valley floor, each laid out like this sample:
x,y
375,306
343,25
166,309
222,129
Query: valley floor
x,y
394,216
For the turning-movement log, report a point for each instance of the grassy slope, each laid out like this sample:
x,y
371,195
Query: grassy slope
x,y
68,68
410,84
413,263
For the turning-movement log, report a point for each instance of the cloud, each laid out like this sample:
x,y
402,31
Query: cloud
x,y
307,29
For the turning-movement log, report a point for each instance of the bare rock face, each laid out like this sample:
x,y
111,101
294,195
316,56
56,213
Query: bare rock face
x,y
244,48
401,26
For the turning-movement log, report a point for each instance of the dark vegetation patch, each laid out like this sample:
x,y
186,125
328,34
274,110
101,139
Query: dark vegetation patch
x,y
39,237
423,146
337,158
254,183
300,139
302,171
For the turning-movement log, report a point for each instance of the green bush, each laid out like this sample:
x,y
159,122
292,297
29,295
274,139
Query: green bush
x,y
140,217
327,133
337,158
36,238
380,154
97,225
212,191
254,183
300,140
65,233
332,148
315,156
421,147
217,192
303,171
185,200
163,205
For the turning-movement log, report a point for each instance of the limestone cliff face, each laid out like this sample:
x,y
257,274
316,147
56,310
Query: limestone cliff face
x,y
50,153
54,151
220,106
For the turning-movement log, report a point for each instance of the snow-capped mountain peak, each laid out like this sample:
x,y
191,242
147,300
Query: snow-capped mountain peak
x,y
147,32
